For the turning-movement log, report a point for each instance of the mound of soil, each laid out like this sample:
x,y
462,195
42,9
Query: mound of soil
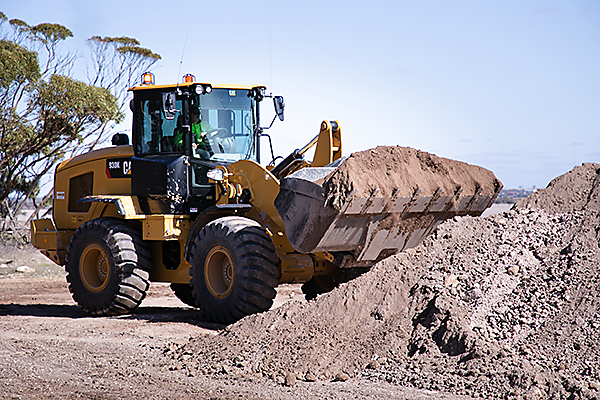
x,y
506,307
394,167
577,190
498,307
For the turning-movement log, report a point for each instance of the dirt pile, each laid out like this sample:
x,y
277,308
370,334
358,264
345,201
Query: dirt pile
x,y
497,307
507,306
388,168
577,190
338,332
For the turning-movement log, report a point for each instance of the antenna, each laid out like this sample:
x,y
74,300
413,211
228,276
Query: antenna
x,y
270,54
181,61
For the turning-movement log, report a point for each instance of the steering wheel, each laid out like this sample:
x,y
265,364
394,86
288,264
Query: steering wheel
x,y
220,132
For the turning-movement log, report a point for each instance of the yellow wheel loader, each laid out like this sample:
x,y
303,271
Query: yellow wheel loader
x,y
188,202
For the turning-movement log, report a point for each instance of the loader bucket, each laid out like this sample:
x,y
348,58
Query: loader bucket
x,y
378,202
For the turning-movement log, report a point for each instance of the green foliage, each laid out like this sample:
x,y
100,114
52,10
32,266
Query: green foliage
x,y
51,33
18,24
47,34
67,106
117,41
61,110
138,52
18,65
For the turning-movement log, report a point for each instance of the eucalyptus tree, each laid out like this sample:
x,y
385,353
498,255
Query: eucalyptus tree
x,y
46,115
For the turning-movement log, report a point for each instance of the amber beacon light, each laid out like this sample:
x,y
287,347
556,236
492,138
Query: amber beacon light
x,y
189,78
147,78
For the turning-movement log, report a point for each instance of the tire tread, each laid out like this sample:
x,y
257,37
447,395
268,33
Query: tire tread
x,y
256,265
131,259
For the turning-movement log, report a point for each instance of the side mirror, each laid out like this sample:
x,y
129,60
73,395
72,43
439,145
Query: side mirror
x,y
168,103
120,139
279,106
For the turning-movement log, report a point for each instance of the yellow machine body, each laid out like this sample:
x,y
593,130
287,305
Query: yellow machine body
x,y
88,176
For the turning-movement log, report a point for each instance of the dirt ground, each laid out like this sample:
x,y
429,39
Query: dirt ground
x,y
502,307
50,349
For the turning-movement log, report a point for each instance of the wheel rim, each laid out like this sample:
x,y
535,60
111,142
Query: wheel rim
x,y
94,268
219,272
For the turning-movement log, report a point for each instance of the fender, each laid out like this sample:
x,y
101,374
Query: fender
x,y
208,215
127,206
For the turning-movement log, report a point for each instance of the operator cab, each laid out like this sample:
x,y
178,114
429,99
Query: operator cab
x,y
220,124
180,132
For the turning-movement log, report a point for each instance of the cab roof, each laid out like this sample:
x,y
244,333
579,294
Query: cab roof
x,y
188,84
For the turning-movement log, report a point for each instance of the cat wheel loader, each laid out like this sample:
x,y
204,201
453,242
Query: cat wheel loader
x,y
188,202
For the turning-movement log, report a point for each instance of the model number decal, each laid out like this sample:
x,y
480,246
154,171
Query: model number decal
x,y
118,168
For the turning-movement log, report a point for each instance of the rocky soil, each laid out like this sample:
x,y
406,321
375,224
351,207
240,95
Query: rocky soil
x,y
502,307
498,307
575,191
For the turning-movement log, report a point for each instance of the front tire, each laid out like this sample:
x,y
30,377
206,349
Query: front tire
x,y
326,283
234,269
108,267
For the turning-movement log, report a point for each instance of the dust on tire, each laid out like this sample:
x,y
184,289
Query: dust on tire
x,y
126,265
255,272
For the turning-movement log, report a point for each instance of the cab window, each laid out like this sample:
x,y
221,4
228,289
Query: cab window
x,y
157,134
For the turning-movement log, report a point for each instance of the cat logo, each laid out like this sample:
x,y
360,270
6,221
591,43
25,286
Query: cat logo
x,y
118,168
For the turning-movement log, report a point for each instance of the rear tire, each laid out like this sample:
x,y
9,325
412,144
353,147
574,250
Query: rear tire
x,y
234,269
183,291
108,267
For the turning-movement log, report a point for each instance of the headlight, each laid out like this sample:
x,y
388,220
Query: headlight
x,y
216,174
203,89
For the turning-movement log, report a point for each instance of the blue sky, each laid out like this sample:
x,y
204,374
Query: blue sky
x,y
512,86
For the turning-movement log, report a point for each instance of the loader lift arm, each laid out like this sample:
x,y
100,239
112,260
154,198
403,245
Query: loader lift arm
x,y
329,149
